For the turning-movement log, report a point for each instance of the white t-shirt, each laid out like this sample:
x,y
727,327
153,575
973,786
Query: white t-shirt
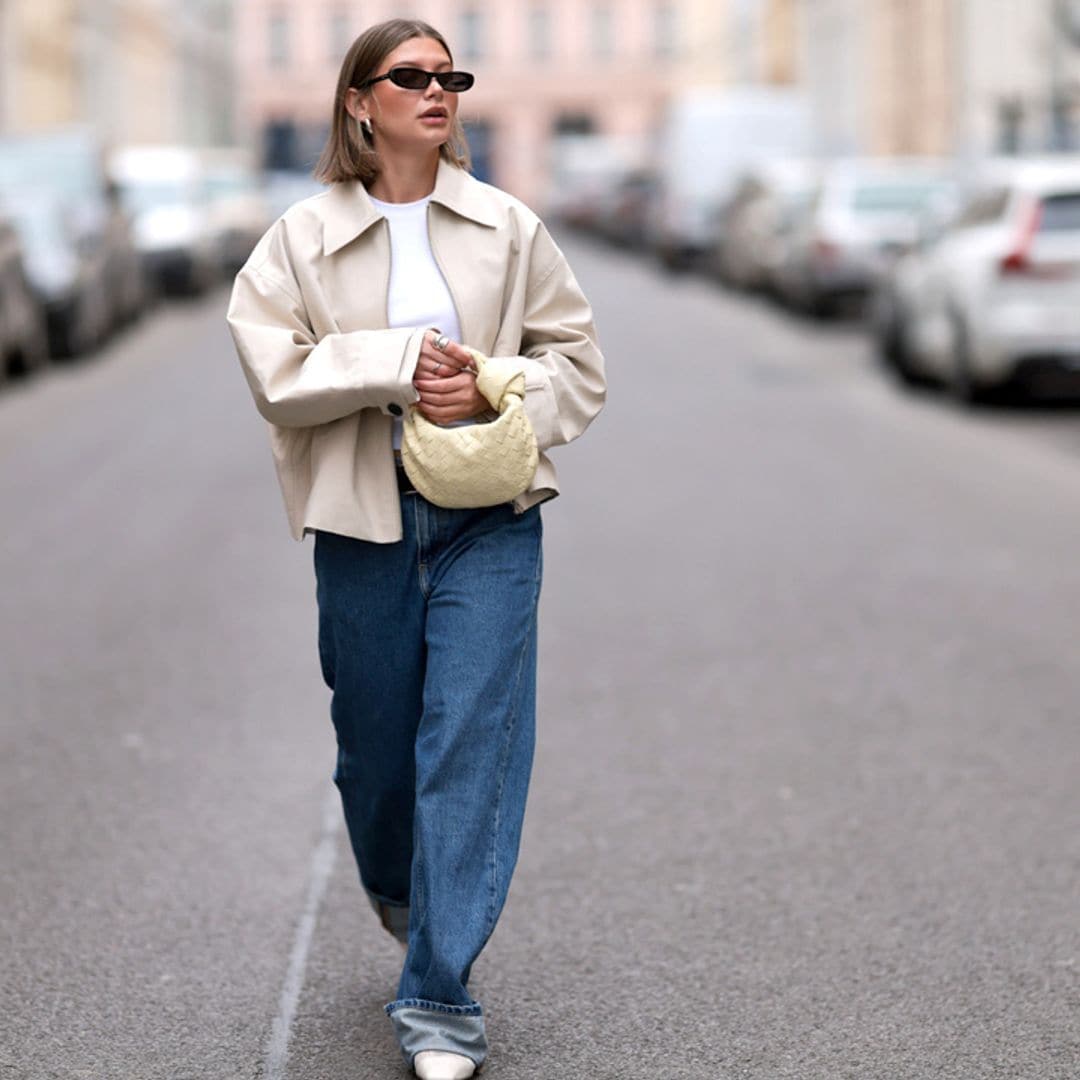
x,y
419,295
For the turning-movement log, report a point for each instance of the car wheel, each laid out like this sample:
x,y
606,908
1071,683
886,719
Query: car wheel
x,y
963,386
896,355
34,355
674,262
68,338
80,333
820,305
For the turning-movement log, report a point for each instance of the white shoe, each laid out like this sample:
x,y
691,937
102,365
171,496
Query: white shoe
x,y
439,1065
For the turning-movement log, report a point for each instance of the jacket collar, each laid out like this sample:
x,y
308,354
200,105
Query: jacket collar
x,y
348,210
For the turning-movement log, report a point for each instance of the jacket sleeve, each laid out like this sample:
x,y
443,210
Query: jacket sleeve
x,y
564,369
298,381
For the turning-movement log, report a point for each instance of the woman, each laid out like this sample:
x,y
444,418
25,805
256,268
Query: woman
x,y
355,307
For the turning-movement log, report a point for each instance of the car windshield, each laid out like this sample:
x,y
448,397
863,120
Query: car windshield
x,y
1061,213
797,198
63,170
892,197
219,184
149,195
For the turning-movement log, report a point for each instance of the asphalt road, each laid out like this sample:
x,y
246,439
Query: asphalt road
x,y
807,795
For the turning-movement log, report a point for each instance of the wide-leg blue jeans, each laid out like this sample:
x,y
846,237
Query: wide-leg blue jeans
x,y
429,647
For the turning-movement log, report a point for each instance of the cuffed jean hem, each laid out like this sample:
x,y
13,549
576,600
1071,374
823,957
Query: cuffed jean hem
x,y
428,1025
394,917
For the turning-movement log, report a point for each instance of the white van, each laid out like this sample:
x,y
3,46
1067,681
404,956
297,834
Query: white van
x,y
708,138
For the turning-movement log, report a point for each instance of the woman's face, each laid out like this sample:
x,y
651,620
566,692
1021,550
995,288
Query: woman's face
x,y
409,119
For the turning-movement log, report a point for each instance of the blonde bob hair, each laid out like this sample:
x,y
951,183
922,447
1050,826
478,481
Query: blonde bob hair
x,y
349,153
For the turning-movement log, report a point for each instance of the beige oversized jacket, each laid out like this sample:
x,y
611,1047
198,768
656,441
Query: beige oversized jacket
x,y
308,315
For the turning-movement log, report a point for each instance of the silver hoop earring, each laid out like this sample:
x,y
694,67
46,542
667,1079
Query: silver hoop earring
x,y
366,125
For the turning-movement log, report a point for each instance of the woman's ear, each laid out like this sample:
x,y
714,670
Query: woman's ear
x,y
355,104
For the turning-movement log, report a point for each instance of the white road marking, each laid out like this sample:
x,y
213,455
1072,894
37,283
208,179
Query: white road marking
x,y
322,865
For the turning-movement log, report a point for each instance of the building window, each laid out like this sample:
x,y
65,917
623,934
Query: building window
x,y
278,40
472,34
279,145
574,124
480,135
603,32
539,32
338,37
665,30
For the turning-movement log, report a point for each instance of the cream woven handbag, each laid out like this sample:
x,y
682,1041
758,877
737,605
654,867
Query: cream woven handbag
x,y
481,464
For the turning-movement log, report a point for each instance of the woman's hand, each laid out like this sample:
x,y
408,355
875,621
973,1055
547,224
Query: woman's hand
x,y
446,382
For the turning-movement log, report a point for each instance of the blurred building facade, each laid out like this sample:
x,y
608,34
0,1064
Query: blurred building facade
x,y
156,71
1021,85
762,42
780,43
543,67
942,77
879,76
911,111
885,77
38,77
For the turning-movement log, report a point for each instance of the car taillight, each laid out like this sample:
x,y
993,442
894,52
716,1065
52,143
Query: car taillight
x,y
1018,260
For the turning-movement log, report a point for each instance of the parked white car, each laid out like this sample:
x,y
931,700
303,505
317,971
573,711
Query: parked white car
x,y
747,246
585,171
238,206
860,216
60,174
164,189
68,274
994,299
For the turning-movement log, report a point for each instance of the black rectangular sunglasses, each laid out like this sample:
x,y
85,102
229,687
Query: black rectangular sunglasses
x,y
414,78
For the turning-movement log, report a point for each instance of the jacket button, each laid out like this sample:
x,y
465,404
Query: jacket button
x,y
394,409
